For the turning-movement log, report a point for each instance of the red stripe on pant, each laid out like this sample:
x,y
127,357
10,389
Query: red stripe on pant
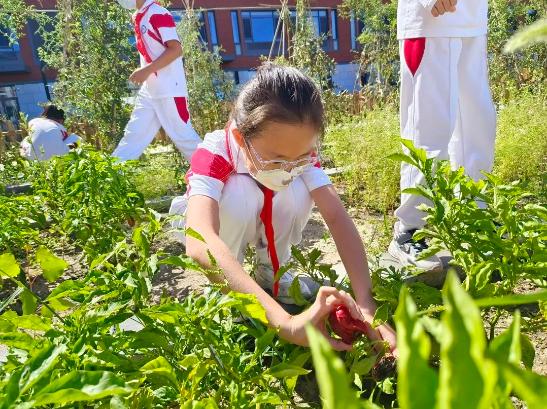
x,y
182,108
414,49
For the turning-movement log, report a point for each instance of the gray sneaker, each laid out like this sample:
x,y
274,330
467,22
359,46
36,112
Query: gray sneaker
x,y
407,251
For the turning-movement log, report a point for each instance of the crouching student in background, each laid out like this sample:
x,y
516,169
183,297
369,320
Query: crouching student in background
x,y
48,136
255,183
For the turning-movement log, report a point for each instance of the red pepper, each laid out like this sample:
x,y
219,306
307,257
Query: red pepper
x,y
345,326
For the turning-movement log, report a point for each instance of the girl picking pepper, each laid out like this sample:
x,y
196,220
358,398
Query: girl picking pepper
x,y
255,183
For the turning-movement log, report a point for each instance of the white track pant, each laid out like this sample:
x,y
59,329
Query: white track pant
x,y
240,225
149,114
446,108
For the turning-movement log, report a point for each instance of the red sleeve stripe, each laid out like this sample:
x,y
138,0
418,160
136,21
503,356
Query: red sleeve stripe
x,y
162,21
206,163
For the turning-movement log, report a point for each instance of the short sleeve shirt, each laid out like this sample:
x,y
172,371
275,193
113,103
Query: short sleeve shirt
x,y
46,139
154,27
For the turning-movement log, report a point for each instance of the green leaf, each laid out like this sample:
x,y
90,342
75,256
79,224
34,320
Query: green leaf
x,y
248,305
285,370
161,367
534,33
400,157
505,348
80,386
332,377
364,366
8,265
295,292
265,340
29,302
266,398
528,351
40,365
381,316
513,299
32,322
529,386
194,234
464,371
52,266
416,380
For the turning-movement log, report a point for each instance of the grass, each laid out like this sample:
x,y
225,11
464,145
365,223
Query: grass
x,y
363,145
157,175
521,145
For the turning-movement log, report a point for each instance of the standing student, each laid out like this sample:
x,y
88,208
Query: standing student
x,y
255,183
163,97
446,104
47,136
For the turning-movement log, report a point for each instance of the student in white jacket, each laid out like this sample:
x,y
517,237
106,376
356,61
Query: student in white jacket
x,y
446,106
48,136
163,97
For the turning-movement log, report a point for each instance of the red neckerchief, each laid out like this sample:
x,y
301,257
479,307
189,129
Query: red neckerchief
x,y
266,215
138,34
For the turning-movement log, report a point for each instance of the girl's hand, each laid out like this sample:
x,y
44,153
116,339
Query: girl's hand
x,y
327,298
383,332
140,75
443,6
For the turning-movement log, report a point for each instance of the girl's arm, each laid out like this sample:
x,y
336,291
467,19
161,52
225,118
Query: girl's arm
x,y
172,51
352,252
202,215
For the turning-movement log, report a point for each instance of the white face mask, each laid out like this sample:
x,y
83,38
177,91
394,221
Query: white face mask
x,y
128,4
278,179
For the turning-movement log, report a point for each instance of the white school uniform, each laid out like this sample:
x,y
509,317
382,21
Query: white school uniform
x,y
445,104
218,170
162,100
47,138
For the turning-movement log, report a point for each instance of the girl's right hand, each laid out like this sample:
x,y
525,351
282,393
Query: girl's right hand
x,y
327,299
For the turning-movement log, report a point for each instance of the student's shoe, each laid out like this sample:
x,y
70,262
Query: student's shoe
x,y
308,286
407,251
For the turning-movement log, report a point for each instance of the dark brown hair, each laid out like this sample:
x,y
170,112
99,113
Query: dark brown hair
x,y
52,112
278,94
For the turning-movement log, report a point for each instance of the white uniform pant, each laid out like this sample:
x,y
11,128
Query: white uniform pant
x,y
240,225
446,109
149,114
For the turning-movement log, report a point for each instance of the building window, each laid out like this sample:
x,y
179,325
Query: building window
x,y
356,27
9,106
323,26
235,32
212,28
38,40
178,15
9,46
334,29
259,28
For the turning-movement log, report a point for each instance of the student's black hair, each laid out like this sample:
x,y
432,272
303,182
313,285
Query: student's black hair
x,y
278,94
52,112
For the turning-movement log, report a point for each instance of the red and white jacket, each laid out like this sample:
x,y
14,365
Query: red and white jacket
x,y
154,26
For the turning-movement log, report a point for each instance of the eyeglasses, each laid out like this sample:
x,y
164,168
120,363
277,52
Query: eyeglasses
x,y
285,165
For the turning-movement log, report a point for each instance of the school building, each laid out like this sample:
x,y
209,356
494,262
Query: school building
x,y
243,30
